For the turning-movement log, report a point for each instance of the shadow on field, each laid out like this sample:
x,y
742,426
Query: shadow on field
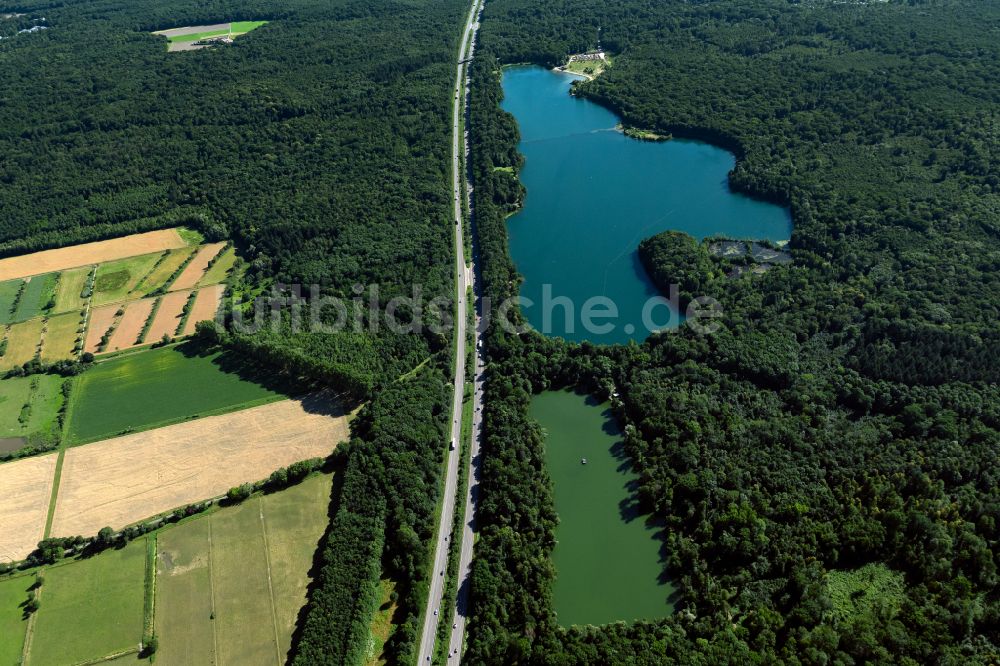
x,y
315,398
316,568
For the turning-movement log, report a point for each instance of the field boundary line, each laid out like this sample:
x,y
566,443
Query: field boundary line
x,y
270,586
217,657
63,445
149,603
29,631
107,657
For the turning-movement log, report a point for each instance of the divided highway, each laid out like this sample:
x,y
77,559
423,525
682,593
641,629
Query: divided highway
x,y
465,278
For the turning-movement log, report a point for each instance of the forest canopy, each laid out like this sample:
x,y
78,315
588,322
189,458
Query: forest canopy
x,y
841,429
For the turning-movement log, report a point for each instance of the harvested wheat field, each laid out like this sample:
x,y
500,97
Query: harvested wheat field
x,y
100,321
133,321
27,488
206,304
60,337
62,258
168,316
193,271
126,479
22,343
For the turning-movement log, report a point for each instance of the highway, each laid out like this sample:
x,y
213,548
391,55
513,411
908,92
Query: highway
x,y
465,278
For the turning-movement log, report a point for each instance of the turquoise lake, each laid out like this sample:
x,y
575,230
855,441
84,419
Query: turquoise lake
x,y
593,194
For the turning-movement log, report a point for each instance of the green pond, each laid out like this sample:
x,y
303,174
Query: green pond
x,y
593,194
607,559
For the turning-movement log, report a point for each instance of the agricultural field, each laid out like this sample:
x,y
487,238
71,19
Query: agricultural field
x,y
117,280
101,320
131,324
29,408
88,254
122,480
220,269
61,335
22,342
168,316
9,291
91,608
27,489
206,305
214,575
13,592
37,297
194,271
110,291
249,566
69,291
165,269
162,386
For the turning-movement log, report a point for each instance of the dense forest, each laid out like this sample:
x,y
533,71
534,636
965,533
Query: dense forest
x,y
320,145
843,424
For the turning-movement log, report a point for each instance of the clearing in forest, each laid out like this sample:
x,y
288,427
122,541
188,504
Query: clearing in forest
x,y
120,481
91,608
248,565
183,39
89,253
24,506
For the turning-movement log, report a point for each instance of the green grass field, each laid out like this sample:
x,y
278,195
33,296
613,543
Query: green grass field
x,y
161,386
295,520
232,574
44,395
242,594
13,592
91,608
220,269
184,595
38,294
243,27
71,285
8,294
117,279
